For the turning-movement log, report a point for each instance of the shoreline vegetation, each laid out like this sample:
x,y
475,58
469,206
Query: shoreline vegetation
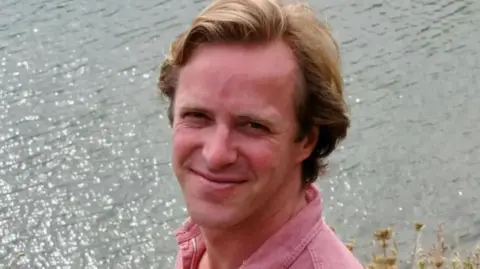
x,y
435,257
386,255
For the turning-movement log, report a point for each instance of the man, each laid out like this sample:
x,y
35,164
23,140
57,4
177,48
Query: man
x,y
256,105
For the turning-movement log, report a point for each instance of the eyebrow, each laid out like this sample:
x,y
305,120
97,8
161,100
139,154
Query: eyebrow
x,y
269,117
195,108
262,120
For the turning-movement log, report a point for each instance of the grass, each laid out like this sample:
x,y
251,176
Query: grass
x,y
436,257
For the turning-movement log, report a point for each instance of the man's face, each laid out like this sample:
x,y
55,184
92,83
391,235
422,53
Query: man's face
x,y
234,126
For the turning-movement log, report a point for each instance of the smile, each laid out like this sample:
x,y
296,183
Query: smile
x,y
219,181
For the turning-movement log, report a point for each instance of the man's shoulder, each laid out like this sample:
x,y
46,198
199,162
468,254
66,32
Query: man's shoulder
x,y
326,251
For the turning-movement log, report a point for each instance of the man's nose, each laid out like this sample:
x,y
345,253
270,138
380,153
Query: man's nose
x,y
217,150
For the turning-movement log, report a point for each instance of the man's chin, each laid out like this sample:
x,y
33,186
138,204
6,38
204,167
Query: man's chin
x,y
213,219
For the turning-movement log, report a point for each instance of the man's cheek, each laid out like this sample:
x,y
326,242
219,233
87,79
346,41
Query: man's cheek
x,y
262,160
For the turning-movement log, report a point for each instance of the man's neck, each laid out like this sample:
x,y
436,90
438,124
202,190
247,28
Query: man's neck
x,y
227,249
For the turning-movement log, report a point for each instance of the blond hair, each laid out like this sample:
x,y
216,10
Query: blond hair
x,y
319,100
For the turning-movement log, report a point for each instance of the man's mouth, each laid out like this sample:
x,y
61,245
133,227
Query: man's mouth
x,y
220,179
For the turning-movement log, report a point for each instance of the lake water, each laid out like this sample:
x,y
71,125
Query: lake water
x,y
85,180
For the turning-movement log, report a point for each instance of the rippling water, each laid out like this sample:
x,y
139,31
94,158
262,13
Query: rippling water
x,y
85,180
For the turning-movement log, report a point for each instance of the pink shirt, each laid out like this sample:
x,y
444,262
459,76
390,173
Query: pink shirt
x,y
305,242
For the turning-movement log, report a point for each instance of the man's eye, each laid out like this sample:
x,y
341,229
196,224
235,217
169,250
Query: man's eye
x,y
255,125
195,118
198,115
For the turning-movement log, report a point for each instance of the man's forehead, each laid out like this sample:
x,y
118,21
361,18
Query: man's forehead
x,y
274,59
247,80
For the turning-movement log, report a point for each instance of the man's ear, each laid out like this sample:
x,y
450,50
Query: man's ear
x,y
308,143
